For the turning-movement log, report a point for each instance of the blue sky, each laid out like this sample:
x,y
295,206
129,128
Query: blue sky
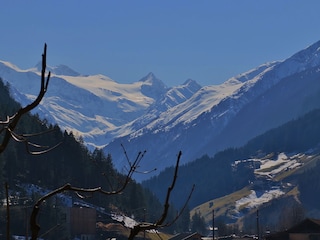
x,y
206,40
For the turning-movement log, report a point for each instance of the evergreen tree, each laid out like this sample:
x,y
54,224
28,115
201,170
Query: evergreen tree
x,y
70,163
198,224
183,222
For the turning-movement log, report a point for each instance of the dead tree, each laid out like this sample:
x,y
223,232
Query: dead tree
x,y
35,227
8,126
80,192
160,223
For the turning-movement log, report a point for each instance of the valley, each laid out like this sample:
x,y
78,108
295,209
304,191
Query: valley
x,y
249,143
272,181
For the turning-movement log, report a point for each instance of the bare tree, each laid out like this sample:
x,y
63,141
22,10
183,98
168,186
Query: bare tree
x,y
160,223
35,227
8,126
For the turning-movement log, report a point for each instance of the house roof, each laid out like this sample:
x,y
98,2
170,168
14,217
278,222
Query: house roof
x,y
185,236
308,225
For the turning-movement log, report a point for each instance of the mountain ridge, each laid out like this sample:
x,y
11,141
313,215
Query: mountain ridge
x,y
146,114
94,107
267,171
181,130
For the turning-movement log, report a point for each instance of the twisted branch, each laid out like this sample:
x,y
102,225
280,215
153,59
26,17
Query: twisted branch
x,y
35,227
11,122
160,222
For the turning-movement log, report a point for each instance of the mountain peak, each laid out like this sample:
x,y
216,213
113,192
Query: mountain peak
x,y
64,70
151,75
152,86
308,56
59,70
149,78
191,83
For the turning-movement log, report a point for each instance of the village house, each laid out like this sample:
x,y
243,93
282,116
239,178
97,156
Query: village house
x,y
186,236
308,229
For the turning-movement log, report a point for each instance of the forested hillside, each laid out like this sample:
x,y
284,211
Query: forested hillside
x,y
70,162
215,177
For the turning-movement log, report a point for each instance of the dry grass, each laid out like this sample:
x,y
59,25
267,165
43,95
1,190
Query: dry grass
x,y
226,204
308,162
220,205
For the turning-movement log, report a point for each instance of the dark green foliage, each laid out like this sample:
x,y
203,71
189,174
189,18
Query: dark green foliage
x,y
183,222
72,163
297,135
215,176
7,106
309,187
198,224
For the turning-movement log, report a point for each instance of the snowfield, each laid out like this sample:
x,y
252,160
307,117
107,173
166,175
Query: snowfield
x,y
271,167
256,198
126,221
268,168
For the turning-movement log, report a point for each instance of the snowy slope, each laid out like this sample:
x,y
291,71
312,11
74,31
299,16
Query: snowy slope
x,y
267,187
288,99
270,185
147,115
201,124
190,125
94,107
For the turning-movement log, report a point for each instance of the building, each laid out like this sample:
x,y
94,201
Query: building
x,y
83,222
186,236
305,230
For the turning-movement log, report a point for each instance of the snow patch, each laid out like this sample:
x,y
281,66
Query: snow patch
x,y
127,222
271,167
256,198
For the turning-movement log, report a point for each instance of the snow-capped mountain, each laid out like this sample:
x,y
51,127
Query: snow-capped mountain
x,y
228,115
58,70
147,115
94,107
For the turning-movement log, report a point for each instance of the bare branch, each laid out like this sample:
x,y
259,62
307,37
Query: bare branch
x,y
83,193
11,122
139,158
6,121
21,138
146,172
159,223
104,175
182,209
35,228
125,154
170,188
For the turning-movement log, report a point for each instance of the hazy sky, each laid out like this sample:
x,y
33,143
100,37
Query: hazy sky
x,y
206,40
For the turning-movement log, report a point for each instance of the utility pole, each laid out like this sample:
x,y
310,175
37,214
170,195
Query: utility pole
x,y
27,223
144,217
258,227
213,224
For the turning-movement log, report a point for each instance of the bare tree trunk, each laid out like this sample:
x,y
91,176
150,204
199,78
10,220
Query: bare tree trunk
x,y
8,211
